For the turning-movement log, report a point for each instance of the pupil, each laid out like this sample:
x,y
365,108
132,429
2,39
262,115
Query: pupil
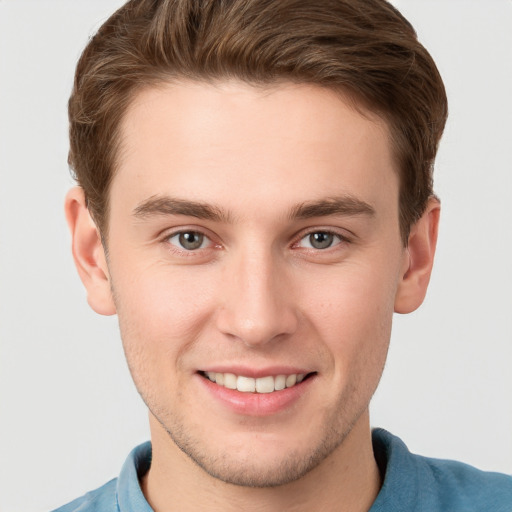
x,y
321,240
191,240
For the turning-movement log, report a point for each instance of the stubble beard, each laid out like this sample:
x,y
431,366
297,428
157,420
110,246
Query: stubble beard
x,y
244,472
224,465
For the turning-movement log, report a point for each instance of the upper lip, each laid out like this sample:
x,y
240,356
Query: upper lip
x,y
255,373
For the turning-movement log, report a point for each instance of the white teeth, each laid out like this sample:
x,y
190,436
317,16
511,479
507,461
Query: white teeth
x,y
230,381
267,384
246,384
291,380
280,382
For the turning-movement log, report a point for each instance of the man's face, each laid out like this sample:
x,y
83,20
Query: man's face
x,y
253,238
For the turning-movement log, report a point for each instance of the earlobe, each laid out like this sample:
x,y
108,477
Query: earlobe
x,y
418,260
88,253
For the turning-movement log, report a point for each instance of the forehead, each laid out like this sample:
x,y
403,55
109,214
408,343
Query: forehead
x,y
275,144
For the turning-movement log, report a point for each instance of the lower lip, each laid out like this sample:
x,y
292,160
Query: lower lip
x,y
257,404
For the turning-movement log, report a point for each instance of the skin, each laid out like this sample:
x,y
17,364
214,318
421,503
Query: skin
x,y
257,164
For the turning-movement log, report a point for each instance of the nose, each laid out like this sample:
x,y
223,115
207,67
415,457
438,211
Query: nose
x,y
257,303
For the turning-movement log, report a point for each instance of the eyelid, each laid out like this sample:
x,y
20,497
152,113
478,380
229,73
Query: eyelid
x,y
167,234
204,241
213,243
344,238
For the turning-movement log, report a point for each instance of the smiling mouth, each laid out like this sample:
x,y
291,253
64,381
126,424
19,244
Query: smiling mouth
x,y
267,384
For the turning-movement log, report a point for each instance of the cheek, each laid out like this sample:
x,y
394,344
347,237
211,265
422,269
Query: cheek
x,y
161,315
163,300
353,315
357,299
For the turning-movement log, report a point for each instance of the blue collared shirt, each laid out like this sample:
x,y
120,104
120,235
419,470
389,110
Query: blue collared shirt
x,y
411,484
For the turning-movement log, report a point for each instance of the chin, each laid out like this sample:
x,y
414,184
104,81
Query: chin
x,y
256,461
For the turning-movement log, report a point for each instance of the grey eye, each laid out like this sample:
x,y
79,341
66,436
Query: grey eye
x,y
188,240
321,240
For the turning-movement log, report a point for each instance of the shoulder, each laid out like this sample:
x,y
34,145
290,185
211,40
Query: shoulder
x,y
102,499
122,493
422,484
458,484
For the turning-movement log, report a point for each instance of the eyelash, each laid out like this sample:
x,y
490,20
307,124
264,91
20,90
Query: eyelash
x,y
342,240
188,252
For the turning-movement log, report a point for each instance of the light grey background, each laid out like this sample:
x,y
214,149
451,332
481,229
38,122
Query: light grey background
x,y
69,413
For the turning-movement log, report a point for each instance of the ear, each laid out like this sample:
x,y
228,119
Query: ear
x,y
88,253
418,260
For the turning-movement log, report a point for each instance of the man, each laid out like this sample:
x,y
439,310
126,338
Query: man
x,y
255,201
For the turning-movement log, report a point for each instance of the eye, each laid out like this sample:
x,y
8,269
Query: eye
x,y
320,240
189,240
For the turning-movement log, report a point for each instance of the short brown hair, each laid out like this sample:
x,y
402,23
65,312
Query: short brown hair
x,y
363,48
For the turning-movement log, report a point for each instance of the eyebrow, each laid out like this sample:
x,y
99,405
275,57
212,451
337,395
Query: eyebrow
x,y
164,205
342,205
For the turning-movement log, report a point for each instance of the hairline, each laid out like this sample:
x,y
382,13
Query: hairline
x,y
165,79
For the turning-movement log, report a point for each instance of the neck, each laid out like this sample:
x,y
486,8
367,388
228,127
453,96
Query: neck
x,y
348,480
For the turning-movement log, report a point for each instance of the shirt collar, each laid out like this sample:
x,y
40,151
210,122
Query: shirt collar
x,y
397,468
128,492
